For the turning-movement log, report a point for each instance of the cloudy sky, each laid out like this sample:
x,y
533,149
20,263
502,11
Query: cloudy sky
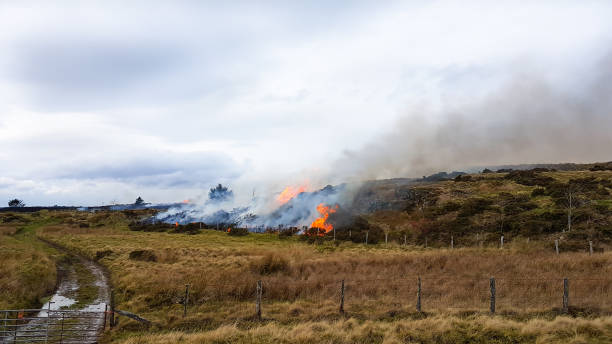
x,y
102,101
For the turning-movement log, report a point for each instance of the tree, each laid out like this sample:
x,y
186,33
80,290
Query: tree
x,y
220,193
571,202
16,203
139,201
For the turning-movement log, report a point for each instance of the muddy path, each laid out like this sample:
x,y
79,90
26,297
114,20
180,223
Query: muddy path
x,y
75,311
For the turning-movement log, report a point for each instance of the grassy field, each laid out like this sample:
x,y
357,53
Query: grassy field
x,y
28,267
301,281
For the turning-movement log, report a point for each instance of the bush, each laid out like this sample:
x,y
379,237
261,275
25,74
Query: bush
x,y
286,233
538,192
150,227
529,178
269,264
473,206
237,231
143,255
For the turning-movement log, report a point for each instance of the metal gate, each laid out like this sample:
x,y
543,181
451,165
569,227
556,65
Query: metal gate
x,y
51,326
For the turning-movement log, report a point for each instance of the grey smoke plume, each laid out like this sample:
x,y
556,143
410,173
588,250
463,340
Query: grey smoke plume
x,y
527,121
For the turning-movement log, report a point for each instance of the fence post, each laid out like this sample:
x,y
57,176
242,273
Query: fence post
x,y
47,326
105,314
367,232
492,286
62,330
452,242
15,328
565,295
342,297
557,246
186,300
112,314
590,248
502,242
404,239
386,236
258,301
334,233
418,303
350,234
425,242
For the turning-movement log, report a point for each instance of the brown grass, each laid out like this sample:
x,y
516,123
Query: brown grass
x,y
478,329
27,268
301,281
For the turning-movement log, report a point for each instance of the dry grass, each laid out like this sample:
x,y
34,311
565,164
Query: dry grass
x,y
27,268
301,281
478,329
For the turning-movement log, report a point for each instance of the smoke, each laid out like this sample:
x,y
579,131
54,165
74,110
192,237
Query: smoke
x,y
528,120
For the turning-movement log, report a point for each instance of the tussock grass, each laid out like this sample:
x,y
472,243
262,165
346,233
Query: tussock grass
x,y
27,266
438,329
302,281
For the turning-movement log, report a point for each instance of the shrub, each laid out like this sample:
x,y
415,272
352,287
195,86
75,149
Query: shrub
x,y
269,264
143,255
538,192
529,178
237,231
473,206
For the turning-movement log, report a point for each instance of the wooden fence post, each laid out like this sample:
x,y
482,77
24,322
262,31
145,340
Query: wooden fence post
x,y
492,286
47,327
334,233
258,301
105,315
342,297
367,232
62,329
186,300
565,295
112,314
418,303
350,234
557,246
502,242
404,239
386,236
452,242
590,248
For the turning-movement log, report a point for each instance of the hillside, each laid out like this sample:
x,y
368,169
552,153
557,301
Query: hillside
x,y
481,207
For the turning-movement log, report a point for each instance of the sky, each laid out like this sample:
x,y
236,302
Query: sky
x,y
105,101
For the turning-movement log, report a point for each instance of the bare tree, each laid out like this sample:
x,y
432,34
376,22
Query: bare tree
x,y
571,202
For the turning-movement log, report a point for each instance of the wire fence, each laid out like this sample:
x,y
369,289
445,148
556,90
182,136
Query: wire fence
x,y
50,326
429,294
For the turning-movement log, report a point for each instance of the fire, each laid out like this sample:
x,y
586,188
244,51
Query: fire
x,y
289,193
320,222
176,224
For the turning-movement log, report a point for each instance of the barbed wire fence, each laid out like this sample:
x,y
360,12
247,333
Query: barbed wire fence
x,y
409,294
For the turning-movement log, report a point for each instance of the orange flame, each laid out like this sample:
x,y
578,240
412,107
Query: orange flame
x,y
176,224
320,222
289,193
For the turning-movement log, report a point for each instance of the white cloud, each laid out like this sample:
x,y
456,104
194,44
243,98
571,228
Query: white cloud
x,y
91,91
